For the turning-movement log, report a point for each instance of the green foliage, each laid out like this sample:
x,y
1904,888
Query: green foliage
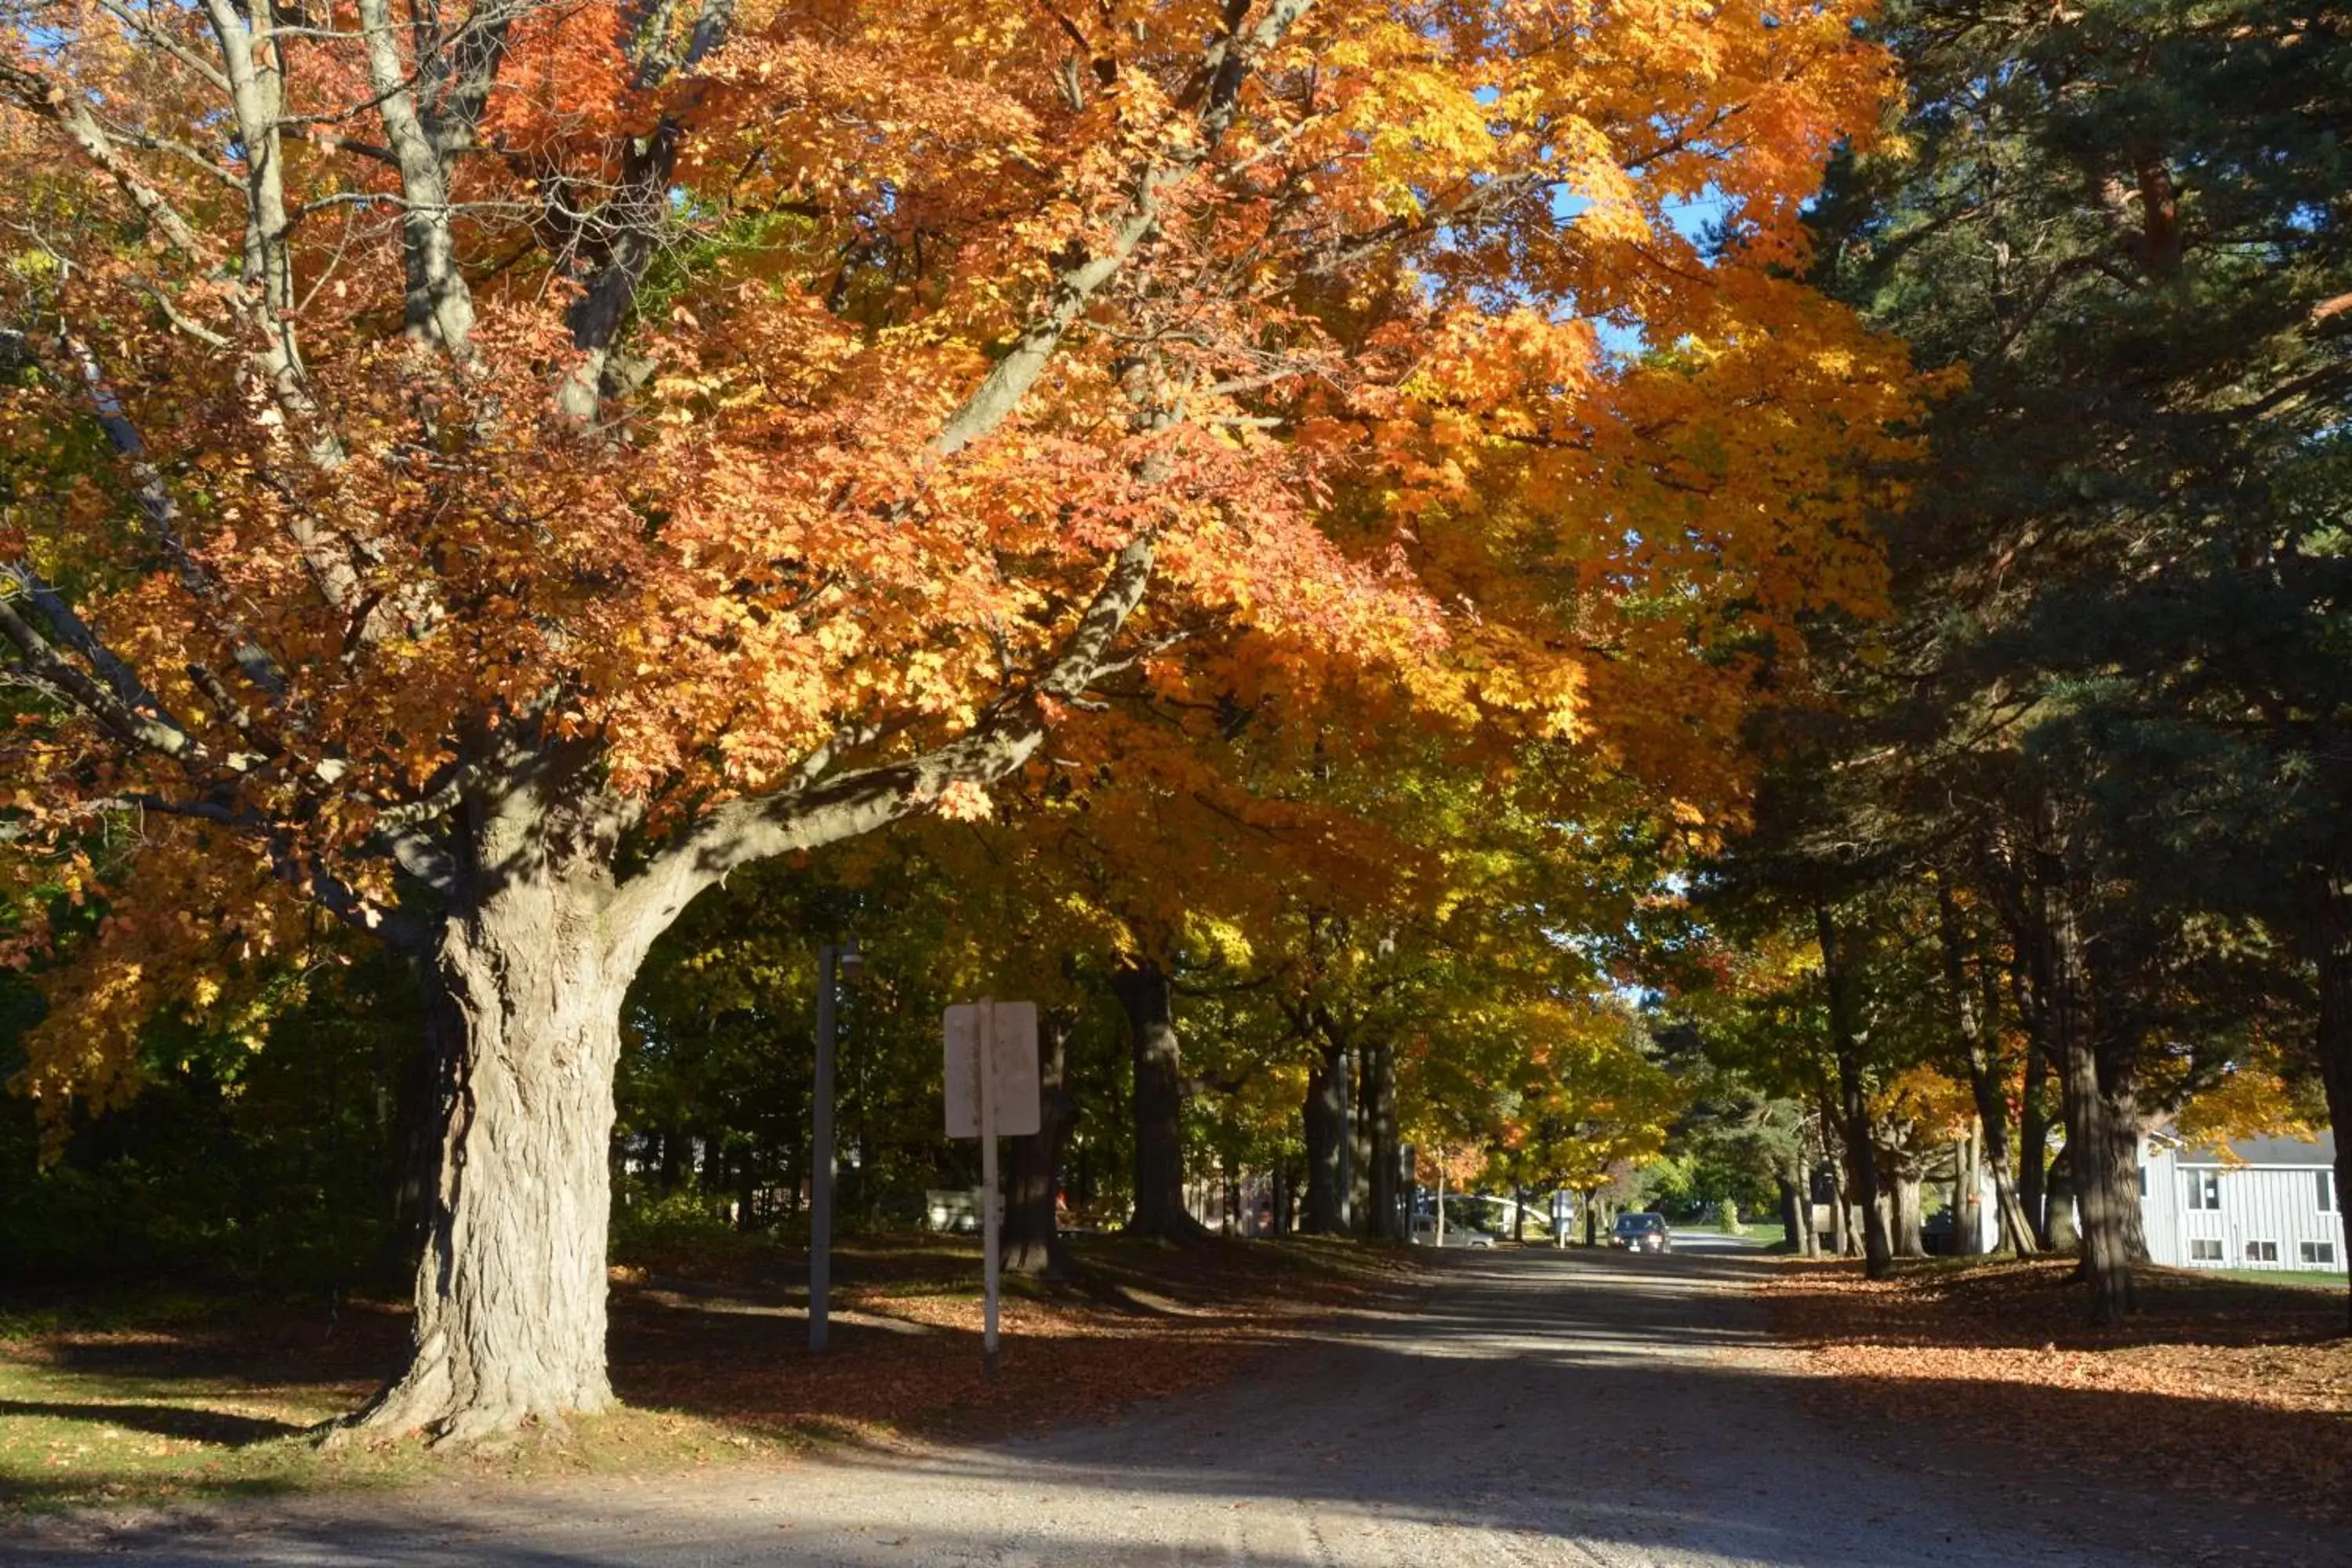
x,y
282,1166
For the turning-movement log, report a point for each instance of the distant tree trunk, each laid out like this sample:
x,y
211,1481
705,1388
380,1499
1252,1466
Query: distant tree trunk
x,y
2065,1234
1389,1222
1325,1114
1144,992
2029,984
1591,1216
1843,1242
1281,1198
1518,1214
1031,1239
1361,1220
1796,1216
1846,1041
1968,1199
1904,1208
2328,936
2033,1144
1976,1017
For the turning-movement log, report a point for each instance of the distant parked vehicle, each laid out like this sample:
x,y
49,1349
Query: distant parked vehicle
x,y
1642,1233
1424,1233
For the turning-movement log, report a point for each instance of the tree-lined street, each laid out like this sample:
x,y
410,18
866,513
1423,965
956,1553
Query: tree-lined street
x,y
1531,1408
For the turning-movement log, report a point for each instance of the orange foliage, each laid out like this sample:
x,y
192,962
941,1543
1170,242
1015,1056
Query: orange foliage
x,y
1314,323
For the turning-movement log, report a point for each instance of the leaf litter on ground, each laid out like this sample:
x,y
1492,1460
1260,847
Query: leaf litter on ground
x,y
2238,1390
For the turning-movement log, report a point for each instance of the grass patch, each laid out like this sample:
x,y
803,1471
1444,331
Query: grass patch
x,y
129,1398
2284,1280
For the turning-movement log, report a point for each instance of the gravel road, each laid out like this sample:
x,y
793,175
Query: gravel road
x,y
1522,1407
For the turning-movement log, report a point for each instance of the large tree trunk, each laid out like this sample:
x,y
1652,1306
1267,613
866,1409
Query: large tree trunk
x,y
1325,1114
1853,1105
1144,991
1387,1220
1032,1239
2332,938
524,1007
2108,1215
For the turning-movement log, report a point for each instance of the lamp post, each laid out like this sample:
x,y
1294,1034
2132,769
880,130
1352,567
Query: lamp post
x,y
834,963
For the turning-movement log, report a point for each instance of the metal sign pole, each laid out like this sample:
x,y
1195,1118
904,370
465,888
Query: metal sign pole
x,y
988,1180
820,1152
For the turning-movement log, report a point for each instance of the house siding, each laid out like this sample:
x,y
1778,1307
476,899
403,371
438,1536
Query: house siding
x,y
2278,1203
2266,1217
2160,1207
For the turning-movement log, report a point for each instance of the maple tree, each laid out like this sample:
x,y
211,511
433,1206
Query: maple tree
x,y
488,475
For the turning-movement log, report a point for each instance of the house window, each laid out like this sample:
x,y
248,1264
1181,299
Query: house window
x,y
2143,1180
2262,1252
2319,1252
2204,1249
2204,1189
2327,1191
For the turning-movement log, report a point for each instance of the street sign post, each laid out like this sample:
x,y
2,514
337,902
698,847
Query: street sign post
x,y
992,1087
835,961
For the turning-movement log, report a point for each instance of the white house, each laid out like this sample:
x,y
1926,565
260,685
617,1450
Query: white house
x,y
2271,1204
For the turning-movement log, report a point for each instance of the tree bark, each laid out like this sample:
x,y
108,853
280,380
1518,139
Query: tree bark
x,y
2061,1215
1796,1217
2331,931
2106,1226
1967,1202
1388,1219
1362,1219
1976,1019
1325,1115
2033,1143
1143,990
1904,1208
2029,983
1853,1105
1032,1242
524,1009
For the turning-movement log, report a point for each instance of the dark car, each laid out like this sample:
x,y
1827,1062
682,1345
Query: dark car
x,y
1642,1233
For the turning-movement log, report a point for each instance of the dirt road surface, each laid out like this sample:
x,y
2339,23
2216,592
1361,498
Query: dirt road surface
x,y
1520,1407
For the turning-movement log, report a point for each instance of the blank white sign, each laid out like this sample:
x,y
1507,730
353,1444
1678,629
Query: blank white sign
x,y
1015,1056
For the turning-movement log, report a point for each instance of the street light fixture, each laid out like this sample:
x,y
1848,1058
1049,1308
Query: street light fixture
x,y
836,963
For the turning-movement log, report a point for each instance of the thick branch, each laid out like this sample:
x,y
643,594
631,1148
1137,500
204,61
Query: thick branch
x,y
743,831
440,308
69,111
1224,66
